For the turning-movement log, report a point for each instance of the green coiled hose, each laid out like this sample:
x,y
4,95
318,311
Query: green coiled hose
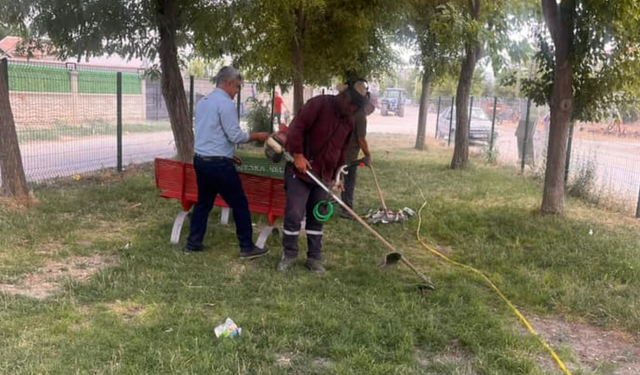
x,y
320,216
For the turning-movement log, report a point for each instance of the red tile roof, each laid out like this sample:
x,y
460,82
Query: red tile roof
x,y
8,45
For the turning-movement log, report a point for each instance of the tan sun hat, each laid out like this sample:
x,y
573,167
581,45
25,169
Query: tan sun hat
x,y
360,87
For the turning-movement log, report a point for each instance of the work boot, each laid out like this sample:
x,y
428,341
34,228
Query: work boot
x,y
286,264
315,266
254,253
346,215
189,250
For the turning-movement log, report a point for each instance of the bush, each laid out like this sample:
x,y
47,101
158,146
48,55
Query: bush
x,y
540,170
259,117
583,183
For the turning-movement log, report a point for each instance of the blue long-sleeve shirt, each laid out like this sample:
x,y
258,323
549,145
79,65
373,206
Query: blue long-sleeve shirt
x,y
217,129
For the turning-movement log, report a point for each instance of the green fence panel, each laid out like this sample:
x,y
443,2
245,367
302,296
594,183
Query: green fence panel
x,y
93,82
32,78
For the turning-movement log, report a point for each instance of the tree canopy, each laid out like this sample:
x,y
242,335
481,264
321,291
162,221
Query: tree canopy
x,y
294,42
605,57
130,28
588,63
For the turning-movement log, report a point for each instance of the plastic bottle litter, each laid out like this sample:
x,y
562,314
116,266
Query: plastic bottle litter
x,y
228,329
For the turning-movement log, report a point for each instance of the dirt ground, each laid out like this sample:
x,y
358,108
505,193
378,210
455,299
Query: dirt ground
x,y
610,352
49,279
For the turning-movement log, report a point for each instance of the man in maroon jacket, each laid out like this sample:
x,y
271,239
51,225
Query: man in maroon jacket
x,y
317,139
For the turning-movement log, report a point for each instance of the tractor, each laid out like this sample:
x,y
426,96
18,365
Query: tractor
x,y
393,101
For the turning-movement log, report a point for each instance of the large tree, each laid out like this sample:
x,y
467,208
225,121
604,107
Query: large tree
x,y
131,28
589,61
294,42
14,182
435,29
489,26
472,53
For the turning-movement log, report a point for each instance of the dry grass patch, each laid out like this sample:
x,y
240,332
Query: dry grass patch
x,y
101,229
450,358
20,205
127,310
603,351
48,279
285,359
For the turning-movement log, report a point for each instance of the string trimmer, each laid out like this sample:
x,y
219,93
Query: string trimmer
x,y
274,146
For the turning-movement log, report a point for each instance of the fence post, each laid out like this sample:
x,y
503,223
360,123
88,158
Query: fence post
x,y
239,102
470,112
493,123
119,119
638,207
438,115
4,70
191,96
273,103
526,136
453,98
567,161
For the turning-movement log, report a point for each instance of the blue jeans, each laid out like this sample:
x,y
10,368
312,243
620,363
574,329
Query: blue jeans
x,y
219,176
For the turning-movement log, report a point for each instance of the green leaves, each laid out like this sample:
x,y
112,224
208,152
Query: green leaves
x,y
604,60
338,38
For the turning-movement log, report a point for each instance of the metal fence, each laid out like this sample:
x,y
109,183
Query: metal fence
x,y
603,159
73,118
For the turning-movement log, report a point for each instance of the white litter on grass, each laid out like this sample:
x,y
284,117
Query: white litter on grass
x,y
228,329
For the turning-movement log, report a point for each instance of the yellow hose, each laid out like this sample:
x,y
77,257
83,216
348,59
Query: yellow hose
x,y
494,287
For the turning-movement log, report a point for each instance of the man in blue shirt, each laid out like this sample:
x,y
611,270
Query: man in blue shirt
x,y
217,131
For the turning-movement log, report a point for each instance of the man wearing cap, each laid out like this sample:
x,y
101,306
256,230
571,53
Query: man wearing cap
x,y
217,131
317,139
358,142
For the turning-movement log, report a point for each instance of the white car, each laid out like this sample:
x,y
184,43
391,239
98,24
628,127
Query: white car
x,y
480,131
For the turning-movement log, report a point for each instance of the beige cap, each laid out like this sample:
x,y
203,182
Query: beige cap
x,y
360,87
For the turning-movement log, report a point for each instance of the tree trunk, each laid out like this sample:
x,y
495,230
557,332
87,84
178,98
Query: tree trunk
x,y
561,106
14,182
461,151
460,158
424,110
171,80
297,48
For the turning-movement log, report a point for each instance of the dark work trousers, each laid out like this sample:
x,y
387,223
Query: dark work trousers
x,y
349,185
302,197
218,175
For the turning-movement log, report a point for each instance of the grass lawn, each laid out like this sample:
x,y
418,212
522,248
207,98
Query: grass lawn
x,y
138,305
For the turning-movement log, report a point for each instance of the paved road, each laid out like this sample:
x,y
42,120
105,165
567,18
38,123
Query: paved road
x,y
47,160
617,163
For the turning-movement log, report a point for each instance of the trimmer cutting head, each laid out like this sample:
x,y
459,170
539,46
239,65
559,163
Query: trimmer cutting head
x,y
391,259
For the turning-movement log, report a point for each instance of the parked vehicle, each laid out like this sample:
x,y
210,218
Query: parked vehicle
x,y
393,101
479,132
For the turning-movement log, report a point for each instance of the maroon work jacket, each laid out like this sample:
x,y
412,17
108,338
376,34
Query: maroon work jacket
x,y
321,133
